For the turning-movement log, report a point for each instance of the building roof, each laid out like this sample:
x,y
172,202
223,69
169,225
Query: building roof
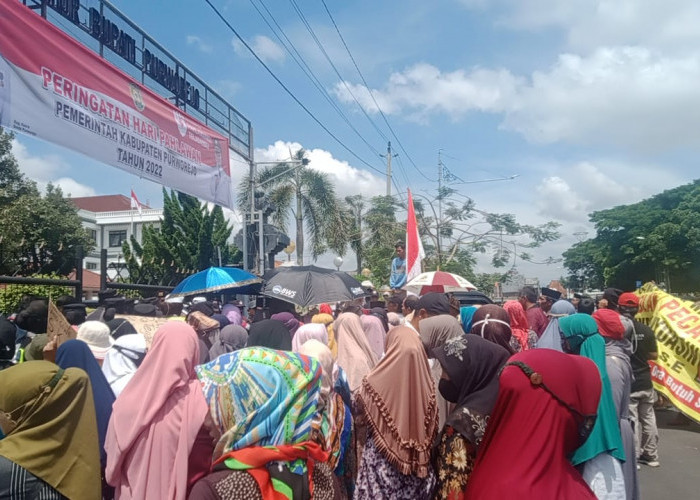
x,y
105,203
91,279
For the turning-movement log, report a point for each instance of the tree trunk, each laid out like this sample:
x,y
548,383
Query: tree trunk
x,y
358,254
300,223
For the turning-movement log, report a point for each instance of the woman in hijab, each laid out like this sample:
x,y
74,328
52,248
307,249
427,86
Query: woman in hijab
x,y
396,402
289,320
470,368
270,333
355,355
334,419
233,314
466,314
123,359
602,454
221,319
546,403
434,332
550,338
231,338
327,320
308,332
492,323
394,319
156,445
523,338
381,314
76,354
374,329
617,361
50,447
262,405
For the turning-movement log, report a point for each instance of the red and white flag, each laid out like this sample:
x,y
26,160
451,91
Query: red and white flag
x,y
135,203
414,246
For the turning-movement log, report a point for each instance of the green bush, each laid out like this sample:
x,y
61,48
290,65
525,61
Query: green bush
x,y
11,295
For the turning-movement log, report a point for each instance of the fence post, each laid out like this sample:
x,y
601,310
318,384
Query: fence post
x,y
79,256
103,269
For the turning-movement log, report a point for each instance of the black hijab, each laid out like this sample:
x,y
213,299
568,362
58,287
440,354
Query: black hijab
x,y
380,313
472,364
270,333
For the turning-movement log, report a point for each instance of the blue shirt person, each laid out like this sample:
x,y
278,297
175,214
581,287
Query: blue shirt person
x,y
398,268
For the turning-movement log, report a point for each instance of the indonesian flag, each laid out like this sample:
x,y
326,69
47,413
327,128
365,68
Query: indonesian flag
x,y
135,204
414,246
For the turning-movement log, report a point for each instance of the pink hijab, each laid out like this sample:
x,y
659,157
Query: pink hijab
x,y
374,329
355,355
156,419
307,332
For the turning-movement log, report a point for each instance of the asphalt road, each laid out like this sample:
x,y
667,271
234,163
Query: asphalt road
x,y
678,478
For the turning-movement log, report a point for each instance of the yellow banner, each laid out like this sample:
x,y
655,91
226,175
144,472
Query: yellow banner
x,y
676,324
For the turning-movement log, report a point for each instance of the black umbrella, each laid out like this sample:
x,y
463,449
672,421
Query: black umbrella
x,y
311,285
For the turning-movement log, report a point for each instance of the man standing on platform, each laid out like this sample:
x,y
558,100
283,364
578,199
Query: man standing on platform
x,y
398,267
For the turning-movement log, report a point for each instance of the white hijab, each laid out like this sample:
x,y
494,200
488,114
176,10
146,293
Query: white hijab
x,y
120,363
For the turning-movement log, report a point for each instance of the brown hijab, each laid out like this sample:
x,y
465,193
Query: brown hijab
x,y
397,399
492,323
436,330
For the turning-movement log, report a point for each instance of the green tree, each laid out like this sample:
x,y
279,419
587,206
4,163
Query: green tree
x,y
655,239
188,240
309,197
381,233
38,233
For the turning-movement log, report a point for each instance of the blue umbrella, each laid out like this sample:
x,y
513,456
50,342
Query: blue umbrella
x,y
216,279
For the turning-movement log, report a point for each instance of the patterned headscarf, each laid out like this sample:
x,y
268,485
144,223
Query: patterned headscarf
x,y
260,397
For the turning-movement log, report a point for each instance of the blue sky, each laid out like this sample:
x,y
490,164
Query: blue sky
x,y
592,103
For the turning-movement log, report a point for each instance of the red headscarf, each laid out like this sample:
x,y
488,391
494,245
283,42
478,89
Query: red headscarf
x,y
325,309
609,324
530,424
518,322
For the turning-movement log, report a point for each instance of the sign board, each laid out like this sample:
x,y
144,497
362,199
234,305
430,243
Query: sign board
x,y
71,96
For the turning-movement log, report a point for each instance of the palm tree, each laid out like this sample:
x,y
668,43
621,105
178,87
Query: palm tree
x,y
309,196
356,206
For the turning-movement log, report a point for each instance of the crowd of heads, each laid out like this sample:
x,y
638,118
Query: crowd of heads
x,y
427,396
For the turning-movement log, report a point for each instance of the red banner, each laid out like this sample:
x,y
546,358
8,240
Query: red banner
x,y
54,88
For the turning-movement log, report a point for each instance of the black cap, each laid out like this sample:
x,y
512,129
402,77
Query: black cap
x,y
612,295
77,306
550,293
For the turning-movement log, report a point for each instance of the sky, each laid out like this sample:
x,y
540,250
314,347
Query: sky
x,y
590,103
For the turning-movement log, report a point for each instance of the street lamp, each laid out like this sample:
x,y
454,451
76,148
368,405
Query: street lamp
x,y
338,261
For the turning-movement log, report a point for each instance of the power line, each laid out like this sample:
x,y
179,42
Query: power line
x,y
371,93
304,21
306,69
287,90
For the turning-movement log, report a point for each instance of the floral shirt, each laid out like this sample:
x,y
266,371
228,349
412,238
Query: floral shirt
x,y
454,463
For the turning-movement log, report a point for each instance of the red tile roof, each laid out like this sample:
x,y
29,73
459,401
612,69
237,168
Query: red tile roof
x,y
105,203
91,279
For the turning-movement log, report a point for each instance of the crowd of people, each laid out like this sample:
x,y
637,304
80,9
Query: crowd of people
x,y
542,398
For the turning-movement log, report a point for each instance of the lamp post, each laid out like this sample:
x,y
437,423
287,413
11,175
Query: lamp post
x,y
338,261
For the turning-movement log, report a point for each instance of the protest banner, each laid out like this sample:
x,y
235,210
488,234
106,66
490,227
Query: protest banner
x,y
54,88
676,324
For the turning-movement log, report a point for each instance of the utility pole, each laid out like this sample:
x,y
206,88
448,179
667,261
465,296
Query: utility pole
x,y
388,156
439,221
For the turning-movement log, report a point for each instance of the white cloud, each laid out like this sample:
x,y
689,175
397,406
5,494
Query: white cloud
x,y
348,180
264,47
45,169
587,24
424,89
626,96
199,44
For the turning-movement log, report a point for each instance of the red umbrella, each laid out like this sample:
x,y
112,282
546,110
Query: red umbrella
x,y
438,281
